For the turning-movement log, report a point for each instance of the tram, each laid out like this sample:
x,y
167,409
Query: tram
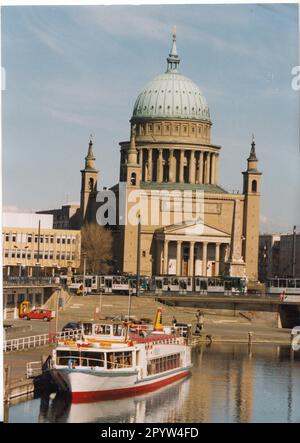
x,y
171,284
287,288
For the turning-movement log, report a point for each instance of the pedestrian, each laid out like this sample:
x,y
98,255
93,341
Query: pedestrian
x,y
200,319
174,321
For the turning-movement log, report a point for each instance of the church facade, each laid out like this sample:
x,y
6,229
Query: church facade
x,y
170,158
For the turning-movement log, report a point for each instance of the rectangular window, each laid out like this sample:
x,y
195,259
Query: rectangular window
x,y
63,240
51,239
7,237
58,240
57,256
14,237
29,238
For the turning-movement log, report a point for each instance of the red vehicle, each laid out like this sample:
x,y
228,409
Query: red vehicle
x,y
38,314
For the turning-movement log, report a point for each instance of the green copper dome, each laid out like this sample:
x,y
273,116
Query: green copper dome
x,y
171,95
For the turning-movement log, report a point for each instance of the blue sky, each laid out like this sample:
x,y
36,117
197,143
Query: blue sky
x,y
72,71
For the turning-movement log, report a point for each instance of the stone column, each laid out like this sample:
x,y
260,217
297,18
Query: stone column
x,y
149,178
160,166
141,152
217,258
207,169
166,256
172,176
201,167
213,168
181,166
204,258
217,170
178,257
158,257
191,259
192,167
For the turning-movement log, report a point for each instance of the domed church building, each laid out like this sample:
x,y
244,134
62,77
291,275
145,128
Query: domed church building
x,y
170,161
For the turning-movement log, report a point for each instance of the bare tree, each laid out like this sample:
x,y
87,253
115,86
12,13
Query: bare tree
x,y
96,243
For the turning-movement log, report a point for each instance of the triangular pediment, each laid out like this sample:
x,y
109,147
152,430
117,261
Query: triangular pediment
x,y
195,228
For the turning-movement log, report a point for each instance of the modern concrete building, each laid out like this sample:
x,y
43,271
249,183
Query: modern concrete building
x,y
268,257
289,257
279,256
32,247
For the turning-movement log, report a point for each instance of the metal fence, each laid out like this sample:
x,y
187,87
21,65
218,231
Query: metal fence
x,y
34,341
33,369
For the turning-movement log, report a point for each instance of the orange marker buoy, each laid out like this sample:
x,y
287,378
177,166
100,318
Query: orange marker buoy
x,y
158,326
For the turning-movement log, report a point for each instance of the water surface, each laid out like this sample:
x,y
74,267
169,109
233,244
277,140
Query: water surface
x,y
229,383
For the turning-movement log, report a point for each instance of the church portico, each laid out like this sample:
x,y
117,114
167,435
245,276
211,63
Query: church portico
x,y
189,254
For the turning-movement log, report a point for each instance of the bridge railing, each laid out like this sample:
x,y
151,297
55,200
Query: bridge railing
x,y
34,341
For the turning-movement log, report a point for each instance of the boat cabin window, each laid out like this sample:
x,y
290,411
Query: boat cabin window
x,y
102,329
119,360
117,330
87,328
74,358
162,364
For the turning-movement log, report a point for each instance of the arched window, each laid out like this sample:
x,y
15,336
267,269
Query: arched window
x,y
133,179
91,184
254,186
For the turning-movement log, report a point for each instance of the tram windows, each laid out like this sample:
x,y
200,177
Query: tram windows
x,y
159,284
165,281
228,285
108,283
297,283
282,283
291,283
183,284
203,285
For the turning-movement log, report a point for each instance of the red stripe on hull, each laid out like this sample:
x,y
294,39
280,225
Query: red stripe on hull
x,y
86,397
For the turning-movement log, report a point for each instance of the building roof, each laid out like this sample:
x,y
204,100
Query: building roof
x,y
171,95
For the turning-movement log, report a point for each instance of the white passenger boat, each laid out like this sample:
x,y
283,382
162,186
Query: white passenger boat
x,y
108,361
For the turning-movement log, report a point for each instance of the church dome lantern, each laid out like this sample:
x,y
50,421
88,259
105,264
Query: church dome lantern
x,y
171,96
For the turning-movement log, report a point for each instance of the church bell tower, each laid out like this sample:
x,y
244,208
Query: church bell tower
x,y
88,184
251,191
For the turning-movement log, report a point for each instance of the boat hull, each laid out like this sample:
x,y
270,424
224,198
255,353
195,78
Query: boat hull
x,y
86,387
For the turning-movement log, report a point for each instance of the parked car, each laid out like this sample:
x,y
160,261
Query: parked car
x,y
38,314
72,326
